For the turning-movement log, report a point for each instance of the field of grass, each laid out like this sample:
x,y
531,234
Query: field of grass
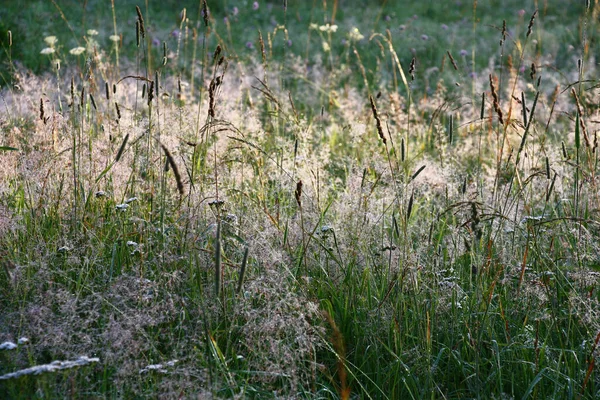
x,y
363,199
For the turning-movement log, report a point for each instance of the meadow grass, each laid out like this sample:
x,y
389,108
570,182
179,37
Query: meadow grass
x,y
315,200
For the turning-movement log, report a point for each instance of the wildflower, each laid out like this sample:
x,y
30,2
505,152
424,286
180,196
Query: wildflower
x,y
255,5
47,51
521,12
92,32
326,47
355,35
289,42
131,243
249,45
444,27
328,28
402,27
114,38
122,207
235,11
388,18
23,340
50,40
77,50
8,346
424,37
130,200
463,53
313,26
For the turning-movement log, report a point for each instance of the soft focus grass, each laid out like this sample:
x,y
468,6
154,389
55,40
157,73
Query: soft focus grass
x,y
473,277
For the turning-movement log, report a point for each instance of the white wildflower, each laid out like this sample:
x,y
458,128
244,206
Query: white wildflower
x,y
131,243
50,40
131,199
122,207
326,47
92,32
354,35
23,340
114,38
77,50
8,346
313,26
47,50
328,28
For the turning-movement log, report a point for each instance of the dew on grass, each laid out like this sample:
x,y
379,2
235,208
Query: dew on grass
x,y
54,366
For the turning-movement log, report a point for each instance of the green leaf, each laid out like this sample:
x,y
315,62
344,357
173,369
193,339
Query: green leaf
x,y
7,148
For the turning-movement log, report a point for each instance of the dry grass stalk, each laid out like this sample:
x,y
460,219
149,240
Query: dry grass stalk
x,y
581,123
482,111
205,13
217,53
214,84
496,103
150,92
122,148
530,27
243,269
262,47
533,71
218,269
141,22
137,33
173,166
298,193
42,109
377,119
340,349
452,60
411,68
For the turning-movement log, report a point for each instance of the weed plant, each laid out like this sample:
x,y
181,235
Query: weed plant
x,y
299,200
